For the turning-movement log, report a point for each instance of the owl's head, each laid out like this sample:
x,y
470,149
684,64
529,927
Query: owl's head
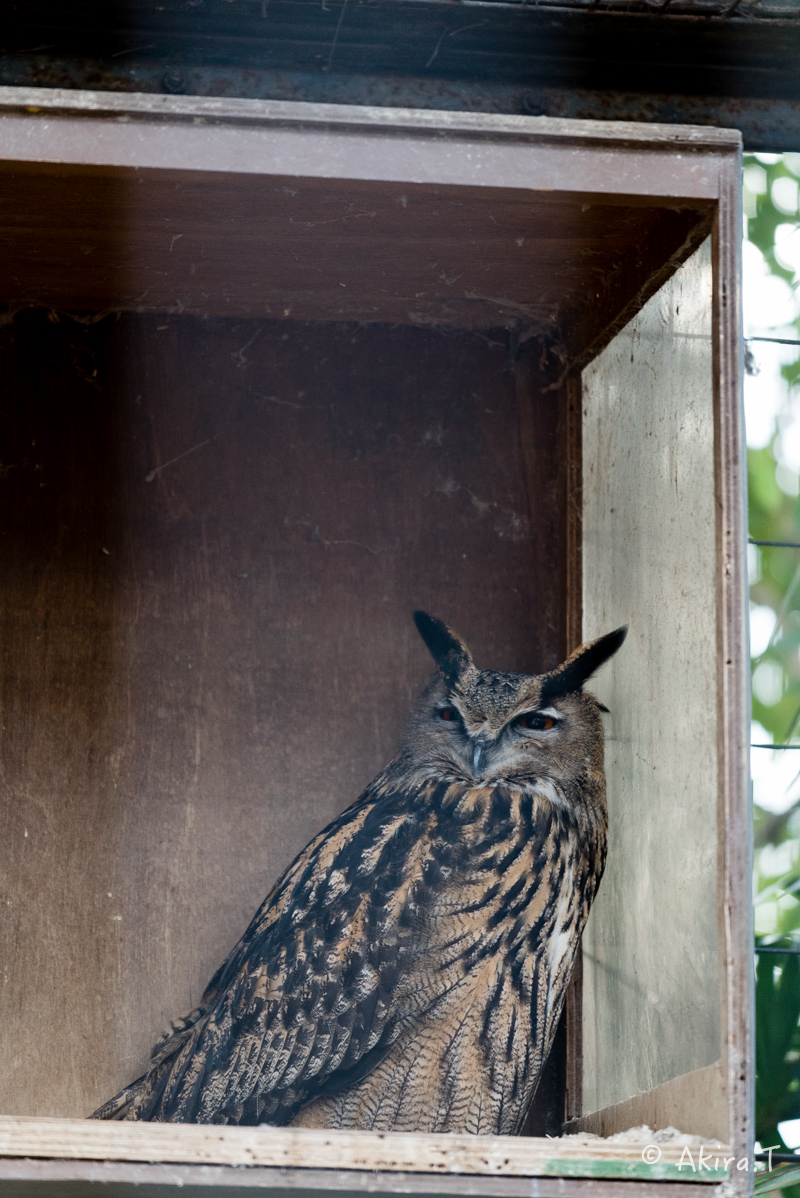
x,y
483,725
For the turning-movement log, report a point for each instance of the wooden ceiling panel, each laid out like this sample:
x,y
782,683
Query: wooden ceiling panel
x,y
557,265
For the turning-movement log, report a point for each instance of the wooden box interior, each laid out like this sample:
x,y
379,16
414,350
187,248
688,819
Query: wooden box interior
x,y
248,425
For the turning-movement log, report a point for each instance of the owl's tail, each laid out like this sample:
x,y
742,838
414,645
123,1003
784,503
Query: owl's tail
x,y
120,1106
141,1099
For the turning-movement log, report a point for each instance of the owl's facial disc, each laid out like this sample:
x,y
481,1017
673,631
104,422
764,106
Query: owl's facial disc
x,y
488,726
488,751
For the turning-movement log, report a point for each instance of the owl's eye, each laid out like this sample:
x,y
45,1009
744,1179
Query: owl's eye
x,y
531,719
448,713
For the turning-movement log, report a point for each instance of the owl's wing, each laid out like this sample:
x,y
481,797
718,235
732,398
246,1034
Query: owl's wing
x,y
307,1002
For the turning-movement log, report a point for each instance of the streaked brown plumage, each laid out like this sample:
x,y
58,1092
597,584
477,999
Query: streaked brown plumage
x,y
408,970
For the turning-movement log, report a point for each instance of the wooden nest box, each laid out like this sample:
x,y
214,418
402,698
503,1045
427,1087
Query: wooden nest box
x,y
274,375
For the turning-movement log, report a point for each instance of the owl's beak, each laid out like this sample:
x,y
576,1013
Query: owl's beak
x,y
478,756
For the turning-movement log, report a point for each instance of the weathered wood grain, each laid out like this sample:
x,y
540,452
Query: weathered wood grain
x,y
652,1002
735,842
252,208
389,1151
33,1177
233,110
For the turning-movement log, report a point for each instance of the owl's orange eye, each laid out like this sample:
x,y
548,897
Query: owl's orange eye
x,y
539,723
448,713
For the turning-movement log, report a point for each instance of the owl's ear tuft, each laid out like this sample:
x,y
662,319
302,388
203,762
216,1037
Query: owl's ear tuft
x,y
448,651
580,665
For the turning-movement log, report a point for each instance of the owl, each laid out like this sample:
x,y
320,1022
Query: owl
x,y
408,970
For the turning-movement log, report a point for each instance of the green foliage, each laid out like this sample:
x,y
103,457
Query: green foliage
x,y
785,1178
777,1043
774,515
767,501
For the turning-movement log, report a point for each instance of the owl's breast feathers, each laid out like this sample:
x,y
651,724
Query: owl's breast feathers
x,y
407,971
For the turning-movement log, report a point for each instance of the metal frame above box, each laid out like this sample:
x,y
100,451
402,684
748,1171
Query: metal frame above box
x,y
695,62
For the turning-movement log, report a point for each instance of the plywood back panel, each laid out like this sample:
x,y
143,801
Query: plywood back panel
x,y
651,971
212,536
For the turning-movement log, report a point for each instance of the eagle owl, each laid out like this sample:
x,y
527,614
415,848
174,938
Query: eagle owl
x,y
408,970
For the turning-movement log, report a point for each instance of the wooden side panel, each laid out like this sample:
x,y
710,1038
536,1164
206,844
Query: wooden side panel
x,y
212,536
651,955
695,1099
736,817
